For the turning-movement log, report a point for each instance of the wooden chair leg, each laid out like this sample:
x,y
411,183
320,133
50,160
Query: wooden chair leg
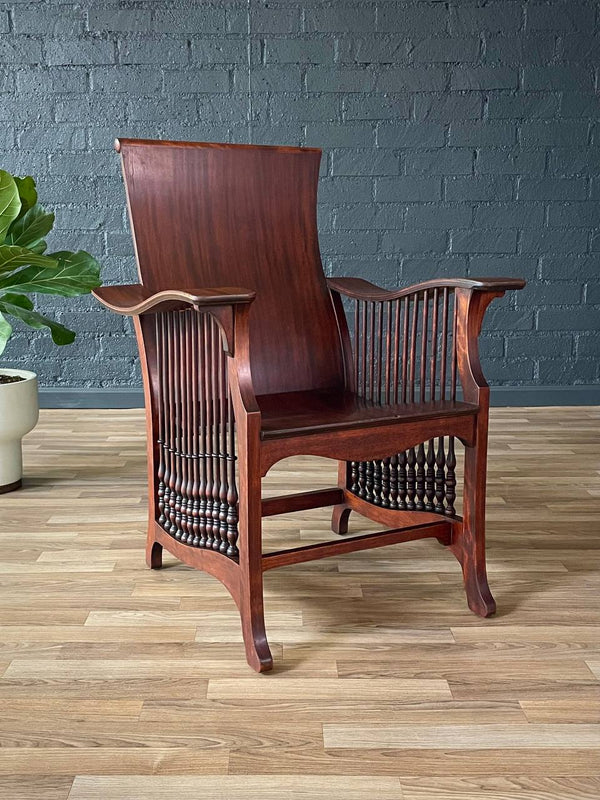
x,y
341,512
468,542
252,615
339,519
154,551
250,599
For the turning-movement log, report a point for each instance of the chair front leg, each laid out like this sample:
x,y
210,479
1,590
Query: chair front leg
x,y
468,541
250,598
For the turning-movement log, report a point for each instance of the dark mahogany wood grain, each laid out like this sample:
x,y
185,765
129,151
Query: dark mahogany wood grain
x,y
236,379
224,215
305,413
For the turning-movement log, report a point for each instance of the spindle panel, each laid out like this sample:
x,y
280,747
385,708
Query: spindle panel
x,y
404,351
197,496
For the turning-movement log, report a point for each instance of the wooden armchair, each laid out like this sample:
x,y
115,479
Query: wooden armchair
x,y
238,378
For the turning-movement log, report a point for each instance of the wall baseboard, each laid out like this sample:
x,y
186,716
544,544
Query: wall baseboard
x,y
588,395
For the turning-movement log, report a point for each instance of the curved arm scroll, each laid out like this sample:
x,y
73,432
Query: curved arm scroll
x,y
135,299
360,289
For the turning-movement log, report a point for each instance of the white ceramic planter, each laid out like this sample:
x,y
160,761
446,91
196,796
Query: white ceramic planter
x,y
19,411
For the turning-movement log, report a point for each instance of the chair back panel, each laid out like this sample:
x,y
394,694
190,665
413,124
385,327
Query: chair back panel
x,y
208,215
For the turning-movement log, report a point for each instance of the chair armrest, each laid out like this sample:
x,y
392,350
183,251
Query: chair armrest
x,y
360,289
136,299
471,298
229,306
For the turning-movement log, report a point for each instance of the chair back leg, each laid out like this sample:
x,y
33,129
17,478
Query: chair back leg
x,y
339,519
341,512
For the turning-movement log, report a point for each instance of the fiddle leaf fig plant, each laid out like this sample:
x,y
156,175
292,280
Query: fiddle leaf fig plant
x,y
26,268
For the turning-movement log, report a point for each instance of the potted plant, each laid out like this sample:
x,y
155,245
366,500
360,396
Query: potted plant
x,y
26,269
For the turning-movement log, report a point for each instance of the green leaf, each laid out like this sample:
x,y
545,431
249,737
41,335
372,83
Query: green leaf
x,y
12,257
5,332
19,306
27,193
82,260
77,273
30,228
17,300
10,203
39,248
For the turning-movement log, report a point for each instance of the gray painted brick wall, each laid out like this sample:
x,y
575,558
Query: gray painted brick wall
x,y
459,138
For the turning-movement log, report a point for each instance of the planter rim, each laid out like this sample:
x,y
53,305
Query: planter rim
x,y
26,374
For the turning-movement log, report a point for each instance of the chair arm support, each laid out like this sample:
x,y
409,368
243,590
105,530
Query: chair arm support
x,y
136,299
470,311
360,289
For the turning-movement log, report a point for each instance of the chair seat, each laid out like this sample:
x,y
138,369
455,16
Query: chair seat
x,y
313,412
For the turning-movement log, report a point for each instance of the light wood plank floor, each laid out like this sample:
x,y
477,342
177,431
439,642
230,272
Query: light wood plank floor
x,y
117,683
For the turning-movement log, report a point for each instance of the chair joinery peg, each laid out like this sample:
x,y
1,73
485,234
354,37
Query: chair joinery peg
x,y
236,379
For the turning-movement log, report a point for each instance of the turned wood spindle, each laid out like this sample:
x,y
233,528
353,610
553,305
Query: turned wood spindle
x,y
424,334
420,477
172,528
444,348
183,367
369,482
354,476
394,481
434,346
232,494
388,353
377,390
210,479
189,509
354,464
413,349
420,456
406,305
377,481
385,482
451,457
377,347
396,356
362,479
160,473
371,350
440,465
411,478
363,350
401,502
164,387
202,404
178,425
221,520
430,476
194,377
216,507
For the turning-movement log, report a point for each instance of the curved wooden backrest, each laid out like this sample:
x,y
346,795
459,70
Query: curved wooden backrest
x,y
207,215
